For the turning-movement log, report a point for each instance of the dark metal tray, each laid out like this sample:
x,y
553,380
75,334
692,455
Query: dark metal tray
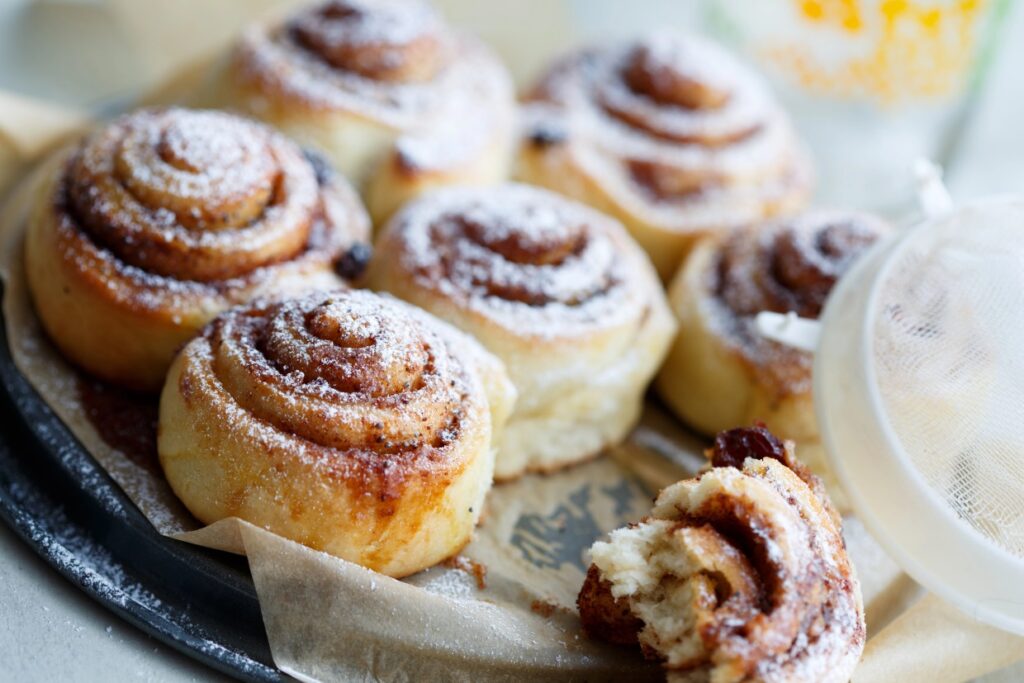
x,y
63,504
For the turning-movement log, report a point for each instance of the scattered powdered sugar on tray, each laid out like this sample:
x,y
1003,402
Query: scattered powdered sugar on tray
x,y
76,554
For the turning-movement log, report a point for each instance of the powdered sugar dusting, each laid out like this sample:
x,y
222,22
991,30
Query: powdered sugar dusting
x,y
214,149
535,262
177,210
197,195
676,130
352,374
685,90
340,28
785,605
445,95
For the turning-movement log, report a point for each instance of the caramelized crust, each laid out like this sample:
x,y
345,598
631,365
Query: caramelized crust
x,y
556,290
670,135
352,423
604,616
740,574
152,225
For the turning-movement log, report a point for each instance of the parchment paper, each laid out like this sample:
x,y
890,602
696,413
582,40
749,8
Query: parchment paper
x,y
328,619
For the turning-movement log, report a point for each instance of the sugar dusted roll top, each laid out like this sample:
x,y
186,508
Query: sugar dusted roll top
x,y
347,421
146,229
721,371
556,290
669,134
399,101
740,574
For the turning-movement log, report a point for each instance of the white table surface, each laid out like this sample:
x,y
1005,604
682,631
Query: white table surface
x,y
50,631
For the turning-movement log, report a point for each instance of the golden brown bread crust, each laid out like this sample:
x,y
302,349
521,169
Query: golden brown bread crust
x,y
721,371
152,225
349,422
740,574
668,134
398,100
556,290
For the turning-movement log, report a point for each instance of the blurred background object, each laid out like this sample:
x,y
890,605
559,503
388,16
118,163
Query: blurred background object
x,y
112,48
90,52
872,84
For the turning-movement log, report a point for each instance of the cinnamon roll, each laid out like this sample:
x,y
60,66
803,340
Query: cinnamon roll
x,y
399,101
740,574
670,135
720,370
557,291
154,224
349,422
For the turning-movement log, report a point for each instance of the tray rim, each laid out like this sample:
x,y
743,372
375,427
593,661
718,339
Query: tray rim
x,y
33,428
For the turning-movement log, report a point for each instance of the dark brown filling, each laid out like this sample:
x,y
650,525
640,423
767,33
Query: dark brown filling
x,y
515,262
128,212
669,82
793,265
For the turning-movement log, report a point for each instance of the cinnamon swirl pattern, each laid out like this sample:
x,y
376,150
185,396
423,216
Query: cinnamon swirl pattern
x,y
557,291
670,135
720,370
350,422
396,99
739,574
148,228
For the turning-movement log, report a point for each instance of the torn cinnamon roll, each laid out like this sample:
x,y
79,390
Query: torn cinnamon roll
x,y
151,226
739,575
350,422
670,135
721,371
399,101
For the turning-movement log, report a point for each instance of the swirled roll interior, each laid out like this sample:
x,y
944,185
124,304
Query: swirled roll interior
x,y
396,99
720,370
556,290
740,574
670,135
350,422
151,226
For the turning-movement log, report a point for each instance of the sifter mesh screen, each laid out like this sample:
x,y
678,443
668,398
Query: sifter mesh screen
x,y
949,365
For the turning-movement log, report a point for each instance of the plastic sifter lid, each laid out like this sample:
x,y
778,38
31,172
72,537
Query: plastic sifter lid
x,y
919,393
